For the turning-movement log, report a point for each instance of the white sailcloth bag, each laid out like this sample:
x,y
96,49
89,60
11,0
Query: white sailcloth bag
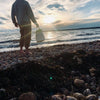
x,y
39,35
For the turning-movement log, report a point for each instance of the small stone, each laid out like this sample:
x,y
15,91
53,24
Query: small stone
x,y
79,82
92,70
62,68
30,58
79,96
71,98
66,92
91,97
19,61
13,63
27,96
87,92
56,97
2,89
13,99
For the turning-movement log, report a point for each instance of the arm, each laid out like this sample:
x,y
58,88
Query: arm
x,y
13,16
31,15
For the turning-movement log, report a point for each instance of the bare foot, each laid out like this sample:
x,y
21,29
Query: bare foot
x,y
22,52
28,52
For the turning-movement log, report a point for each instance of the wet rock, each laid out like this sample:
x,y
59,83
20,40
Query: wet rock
x,y
27,96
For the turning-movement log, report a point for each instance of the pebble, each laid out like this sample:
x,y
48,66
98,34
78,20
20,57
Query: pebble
x,y
91,97
58,97
79,96
92,70
20,61
13,99
87,92
71,98
27,96
79,82
3,90
13,63
30,58
13,56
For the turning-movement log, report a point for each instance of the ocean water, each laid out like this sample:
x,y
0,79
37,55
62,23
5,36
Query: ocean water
x,y
9,39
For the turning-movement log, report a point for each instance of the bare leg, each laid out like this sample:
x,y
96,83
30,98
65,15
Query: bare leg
x,y
27,39
21,39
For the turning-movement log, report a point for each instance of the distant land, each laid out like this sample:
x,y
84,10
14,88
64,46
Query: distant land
x,y
71,29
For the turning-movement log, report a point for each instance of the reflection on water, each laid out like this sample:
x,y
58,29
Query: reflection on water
x,y
58,35
50,35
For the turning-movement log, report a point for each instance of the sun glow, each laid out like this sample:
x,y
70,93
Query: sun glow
x,y
48,19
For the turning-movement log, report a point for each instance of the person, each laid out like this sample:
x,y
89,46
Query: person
x,y
22,16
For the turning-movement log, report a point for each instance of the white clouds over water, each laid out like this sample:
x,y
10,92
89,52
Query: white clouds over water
x,y
64,11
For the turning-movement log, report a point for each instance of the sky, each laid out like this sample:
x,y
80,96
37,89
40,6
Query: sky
x,y
55,13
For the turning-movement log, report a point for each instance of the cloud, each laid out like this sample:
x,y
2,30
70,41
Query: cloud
x,y
41,12
1,22
95,16
2,18
57,22
64,11
57,6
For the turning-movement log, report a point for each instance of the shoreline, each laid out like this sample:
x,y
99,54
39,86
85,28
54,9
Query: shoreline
x,y
10,58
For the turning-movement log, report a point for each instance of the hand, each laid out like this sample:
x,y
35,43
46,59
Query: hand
x,y
37,25
16,24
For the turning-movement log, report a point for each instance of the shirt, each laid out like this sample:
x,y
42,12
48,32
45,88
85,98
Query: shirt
x,y
22,13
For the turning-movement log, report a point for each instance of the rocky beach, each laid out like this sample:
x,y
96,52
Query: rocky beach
x,y
60,72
